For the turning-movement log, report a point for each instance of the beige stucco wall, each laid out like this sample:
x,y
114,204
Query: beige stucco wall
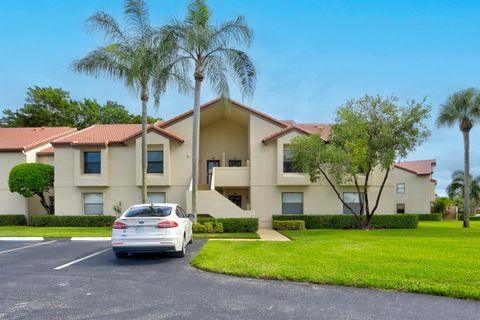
x,y
12,203
419,191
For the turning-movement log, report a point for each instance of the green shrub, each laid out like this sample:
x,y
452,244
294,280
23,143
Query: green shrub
x,y
429,217
349,221
289,225
207,227
217,227
72,221
472,218
12,220
231,225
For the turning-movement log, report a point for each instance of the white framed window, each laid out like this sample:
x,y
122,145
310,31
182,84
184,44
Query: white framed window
x,y
400,187
93,203
292,202
156,197
353,201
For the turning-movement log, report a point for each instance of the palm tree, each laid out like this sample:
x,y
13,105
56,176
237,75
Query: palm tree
x,y
213,53
462,108
136,56
456,188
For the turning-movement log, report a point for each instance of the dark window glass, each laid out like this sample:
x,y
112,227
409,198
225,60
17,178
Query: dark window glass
x,y
92,162
234,163
353,200
288,164
400,207
292,203
150,211
155,162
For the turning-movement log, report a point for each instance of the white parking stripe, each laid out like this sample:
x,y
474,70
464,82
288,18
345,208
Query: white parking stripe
x,y
30,246
81,259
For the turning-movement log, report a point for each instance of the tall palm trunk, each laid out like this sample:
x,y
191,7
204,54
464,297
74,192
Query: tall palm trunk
x,y
144,98
196,140
466,182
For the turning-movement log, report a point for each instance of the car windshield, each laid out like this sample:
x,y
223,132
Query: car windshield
x,y
150,211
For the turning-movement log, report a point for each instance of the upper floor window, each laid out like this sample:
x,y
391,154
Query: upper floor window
x,y
292,202
155,161
234,163
92,162
353,201
288,164
93,203
400,187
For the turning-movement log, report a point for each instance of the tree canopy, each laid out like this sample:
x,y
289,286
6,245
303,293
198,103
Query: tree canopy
x,y
29,179
369,134
53,107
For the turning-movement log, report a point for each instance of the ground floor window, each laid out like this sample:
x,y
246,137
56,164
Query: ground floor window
x,y
156,197
292,202
400,207
93,203
353,201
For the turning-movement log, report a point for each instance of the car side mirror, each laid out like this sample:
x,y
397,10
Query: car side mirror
x,y
191,216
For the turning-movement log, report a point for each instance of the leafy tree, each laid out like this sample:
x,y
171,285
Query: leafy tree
x,y
368,135
29,179
456,188
213,53
463,109
135,55
441,204
47,107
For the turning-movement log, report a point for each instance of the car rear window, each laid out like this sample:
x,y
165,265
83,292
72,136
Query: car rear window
x,y
151,211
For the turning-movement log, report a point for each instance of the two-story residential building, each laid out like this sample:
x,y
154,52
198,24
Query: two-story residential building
x,y
21,145
246,169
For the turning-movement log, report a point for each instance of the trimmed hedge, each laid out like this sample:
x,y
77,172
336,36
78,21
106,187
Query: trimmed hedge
x,y
472,218
12,220
348,221
231,225
430,217
289,225
72,221
207,227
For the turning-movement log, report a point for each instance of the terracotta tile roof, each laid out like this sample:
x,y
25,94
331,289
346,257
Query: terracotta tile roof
x,y
304,128
110,134
419,167
234,103
24,139
48,152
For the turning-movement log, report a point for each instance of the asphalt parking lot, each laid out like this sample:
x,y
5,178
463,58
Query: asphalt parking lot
x,y
61,279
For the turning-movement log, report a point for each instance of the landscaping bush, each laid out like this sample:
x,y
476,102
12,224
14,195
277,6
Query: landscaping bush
x,y
207,227
289,225
72,221
234,224
349,222
429,217
472,218
12,220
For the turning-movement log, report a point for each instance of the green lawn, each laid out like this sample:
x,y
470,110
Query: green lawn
x,y
54,232
237,235
438,258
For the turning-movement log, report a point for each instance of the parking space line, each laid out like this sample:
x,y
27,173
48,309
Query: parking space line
x,y
81,259
30,246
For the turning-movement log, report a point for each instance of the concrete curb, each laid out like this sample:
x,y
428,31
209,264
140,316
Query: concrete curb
x,y
21,239
91,239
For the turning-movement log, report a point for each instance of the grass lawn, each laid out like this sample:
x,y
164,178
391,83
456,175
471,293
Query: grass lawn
x,y
438,258
54,232
238,235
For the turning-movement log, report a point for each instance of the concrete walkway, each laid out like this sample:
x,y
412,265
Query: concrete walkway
x,y
264,234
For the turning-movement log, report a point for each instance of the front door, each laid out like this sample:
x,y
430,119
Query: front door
x,y
237,199
210,165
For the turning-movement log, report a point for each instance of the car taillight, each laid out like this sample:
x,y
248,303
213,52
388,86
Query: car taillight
x,y
167,224
119,225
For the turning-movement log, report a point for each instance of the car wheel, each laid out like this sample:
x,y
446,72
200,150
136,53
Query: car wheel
x,y
181,253
121,255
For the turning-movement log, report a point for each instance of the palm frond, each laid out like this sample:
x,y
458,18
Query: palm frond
x,y
460,106
106,23
236,31
216,73
102,61
137,17
242,70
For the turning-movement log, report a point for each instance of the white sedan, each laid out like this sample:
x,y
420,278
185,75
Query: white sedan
x,y
155,227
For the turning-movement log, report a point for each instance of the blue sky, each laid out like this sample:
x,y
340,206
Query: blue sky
x,y
311,56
